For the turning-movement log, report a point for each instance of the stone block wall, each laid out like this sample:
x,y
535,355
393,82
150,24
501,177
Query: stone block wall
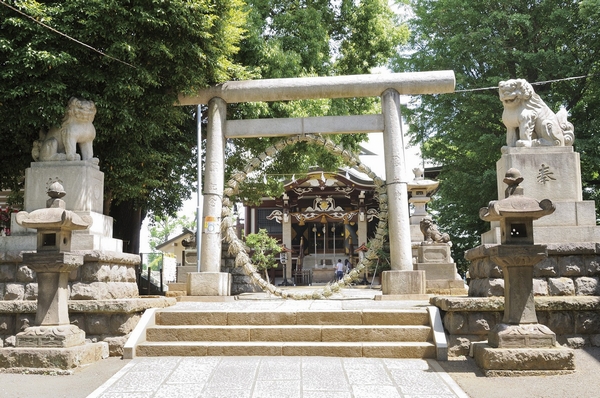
x,y
575,320
103,297
240,282
110,321
569,270
103,276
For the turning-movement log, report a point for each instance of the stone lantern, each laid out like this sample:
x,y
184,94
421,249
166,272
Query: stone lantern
x,y
519,343
421,191
517,253
53,262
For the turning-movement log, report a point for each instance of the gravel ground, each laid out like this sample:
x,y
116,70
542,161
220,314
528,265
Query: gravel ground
x,y
583,383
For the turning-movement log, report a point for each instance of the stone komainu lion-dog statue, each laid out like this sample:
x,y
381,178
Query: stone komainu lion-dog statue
x,y
60,143
528,120
431,234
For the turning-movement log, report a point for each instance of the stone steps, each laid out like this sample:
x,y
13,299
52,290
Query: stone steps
x,y
298,348
288,333
411,316
402,333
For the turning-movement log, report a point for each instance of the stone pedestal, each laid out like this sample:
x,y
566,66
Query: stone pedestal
x,y
85,183
442,279
517,263
53,328
59,360
548,172
51,336
440,270
523,361
209,284
403,282
532,335
446,271
82,179
438,253
53,271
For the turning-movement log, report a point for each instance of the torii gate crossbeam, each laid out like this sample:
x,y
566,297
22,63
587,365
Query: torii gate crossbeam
x,y
299,88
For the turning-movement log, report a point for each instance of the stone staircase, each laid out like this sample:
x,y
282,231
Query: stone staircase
x,y
388,333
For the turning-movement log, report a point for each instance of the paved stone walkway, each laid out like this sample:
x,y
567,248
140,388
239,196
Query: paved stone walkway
x,y
280,377
283,377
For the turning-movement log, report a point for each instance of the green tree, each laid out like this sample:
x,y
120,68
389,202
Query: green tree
x,y
264,249
485,42
146,146
292,38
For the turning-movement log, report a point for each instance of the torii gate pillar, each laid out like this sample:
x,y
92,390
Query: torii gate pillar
x,y
210,281
402,279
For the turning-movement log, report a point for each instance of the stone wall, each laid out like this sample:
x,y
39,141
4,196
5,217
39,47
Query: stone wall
x,y
103,297
570,270
240,282
110,321
575,320
103,276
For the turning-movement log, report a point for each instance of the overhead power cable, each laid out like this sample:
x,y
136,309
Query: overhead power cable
x,y
64,35
533,84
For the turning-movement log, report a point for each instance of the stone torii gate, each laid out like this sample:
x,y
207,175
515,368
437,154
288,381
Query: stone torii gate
x,y
402,279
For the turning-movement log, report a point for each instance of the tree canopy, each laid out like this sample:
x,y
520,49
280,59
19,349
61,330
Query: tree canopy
x,y
146,146
294,38
485,42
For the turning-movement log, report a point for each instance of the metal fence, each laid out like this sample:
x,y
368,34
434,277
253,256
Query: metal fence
x,y
150,274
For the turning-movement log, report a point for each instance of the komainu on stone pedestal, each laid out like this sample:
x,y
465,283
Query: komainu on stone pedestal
x,y
431,234
60,143
528,120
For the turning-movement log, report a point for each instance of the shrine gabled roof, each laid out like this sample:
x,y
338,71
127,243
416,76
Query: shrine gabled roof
x,y
320,183
340,178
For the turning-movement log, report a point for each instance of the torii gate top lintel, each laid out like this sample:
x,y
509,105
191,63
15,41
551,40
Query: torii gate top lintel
x,y
410,83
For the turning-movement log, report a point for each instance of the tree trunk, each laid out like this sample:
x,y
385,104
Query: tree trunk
x,y
127,224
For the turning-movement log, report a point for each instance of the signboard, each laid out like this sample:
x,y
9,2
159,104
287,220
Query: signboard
x,y
212,225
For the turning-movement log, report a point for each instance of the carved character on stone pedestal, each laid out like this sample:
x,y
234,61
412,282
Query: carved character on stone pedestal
x,y
431,234
60,143
529,121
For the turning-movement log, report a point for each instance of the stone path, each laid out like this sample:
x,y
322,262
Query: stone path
x,y
280,377
283,377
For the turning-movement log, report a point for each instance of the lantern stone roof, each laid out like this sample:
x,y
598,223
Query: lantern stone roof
x,y
516,205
